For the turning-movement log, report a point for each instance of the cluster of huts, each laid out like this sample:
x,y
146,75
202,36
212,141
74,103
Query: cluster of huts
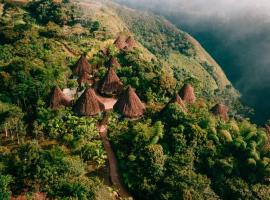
x,y
187,95
91,101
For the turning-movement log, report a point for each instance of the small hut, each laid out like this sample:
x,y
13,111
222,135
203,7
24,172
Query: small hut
x,y
58,99
120,42
82,66
130,43
130,105
88,104
113,62
221,111
111,84
177,99
85,79
187,94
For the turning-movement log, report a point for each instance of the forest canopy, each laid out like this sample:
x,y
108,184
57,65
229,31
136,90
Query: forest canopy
x,y
177,147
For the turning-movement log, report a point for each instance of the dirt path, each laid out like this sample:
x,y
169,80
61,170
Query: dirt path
x,y
68,50
108,102
114,173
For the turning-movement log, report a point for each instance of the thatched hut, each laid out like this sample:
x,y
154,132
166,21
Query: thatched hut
x,y
113,62
82,66
88,104
130,43
221,111
111,84
58,99
130,105
187,94
120,42
177,99
85,79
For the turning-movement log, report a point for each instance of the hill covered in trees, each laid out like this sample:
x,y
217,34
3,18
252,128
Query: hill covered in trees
x,y
65,65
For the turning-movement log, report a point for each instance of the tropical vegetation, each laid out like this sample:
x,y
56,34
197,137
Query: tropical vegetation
x,y
169,153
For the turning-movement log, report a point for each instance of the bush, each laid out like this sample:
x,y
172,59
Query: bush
x,y
5,193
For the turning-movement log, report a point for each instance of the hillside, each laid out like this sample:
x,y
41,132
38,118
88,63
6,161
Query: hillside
x,y
174,48
100,101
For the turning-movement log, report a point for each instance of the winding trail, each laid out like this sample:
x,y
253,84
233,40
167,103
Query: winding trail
x,y
67,49
114,173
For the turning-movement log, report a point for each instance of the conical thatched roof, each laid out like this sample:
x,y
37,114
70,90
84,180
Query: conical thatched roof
x,y
85,78
177,99
82,66
221,111
113,62
88,104
130,43
120,42
111,84
187,94
129,104
57,98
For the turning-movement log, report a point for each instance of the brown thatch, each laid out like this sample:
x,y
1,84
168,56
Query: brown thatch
x,y
111,84
177,99
187,94
120,42
130,105
130,43
58,99
221,111
86,79
82,66
88,104
113,62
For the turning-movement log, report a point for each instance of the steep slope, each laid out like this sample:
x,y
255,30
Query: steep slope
x,y
158,38
176,49
41,42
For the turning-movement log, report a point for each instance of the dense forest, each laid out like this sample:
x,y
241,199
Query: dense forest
x,y
176,127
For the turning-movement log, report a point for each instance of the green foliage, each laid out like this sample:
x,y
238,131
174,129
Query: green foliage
x,y
80,188
157,35
22,85
5,193
166,155
58,174
49,10
72,129
94,151
5,53
261,191
78,133
95,26
198,157
12,122
145,76
183,182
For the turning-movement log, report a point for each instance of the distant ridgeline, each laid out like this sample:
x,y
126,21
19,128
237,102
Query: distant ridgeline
x,y
174,120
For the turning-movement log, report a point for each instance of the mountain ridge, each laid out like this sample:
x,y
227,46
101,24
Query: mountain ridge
x,y
168,139
111,12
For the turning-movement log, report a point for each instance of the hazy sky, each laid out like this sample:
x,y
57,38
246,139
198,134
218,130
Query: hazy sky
x,y
237,35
